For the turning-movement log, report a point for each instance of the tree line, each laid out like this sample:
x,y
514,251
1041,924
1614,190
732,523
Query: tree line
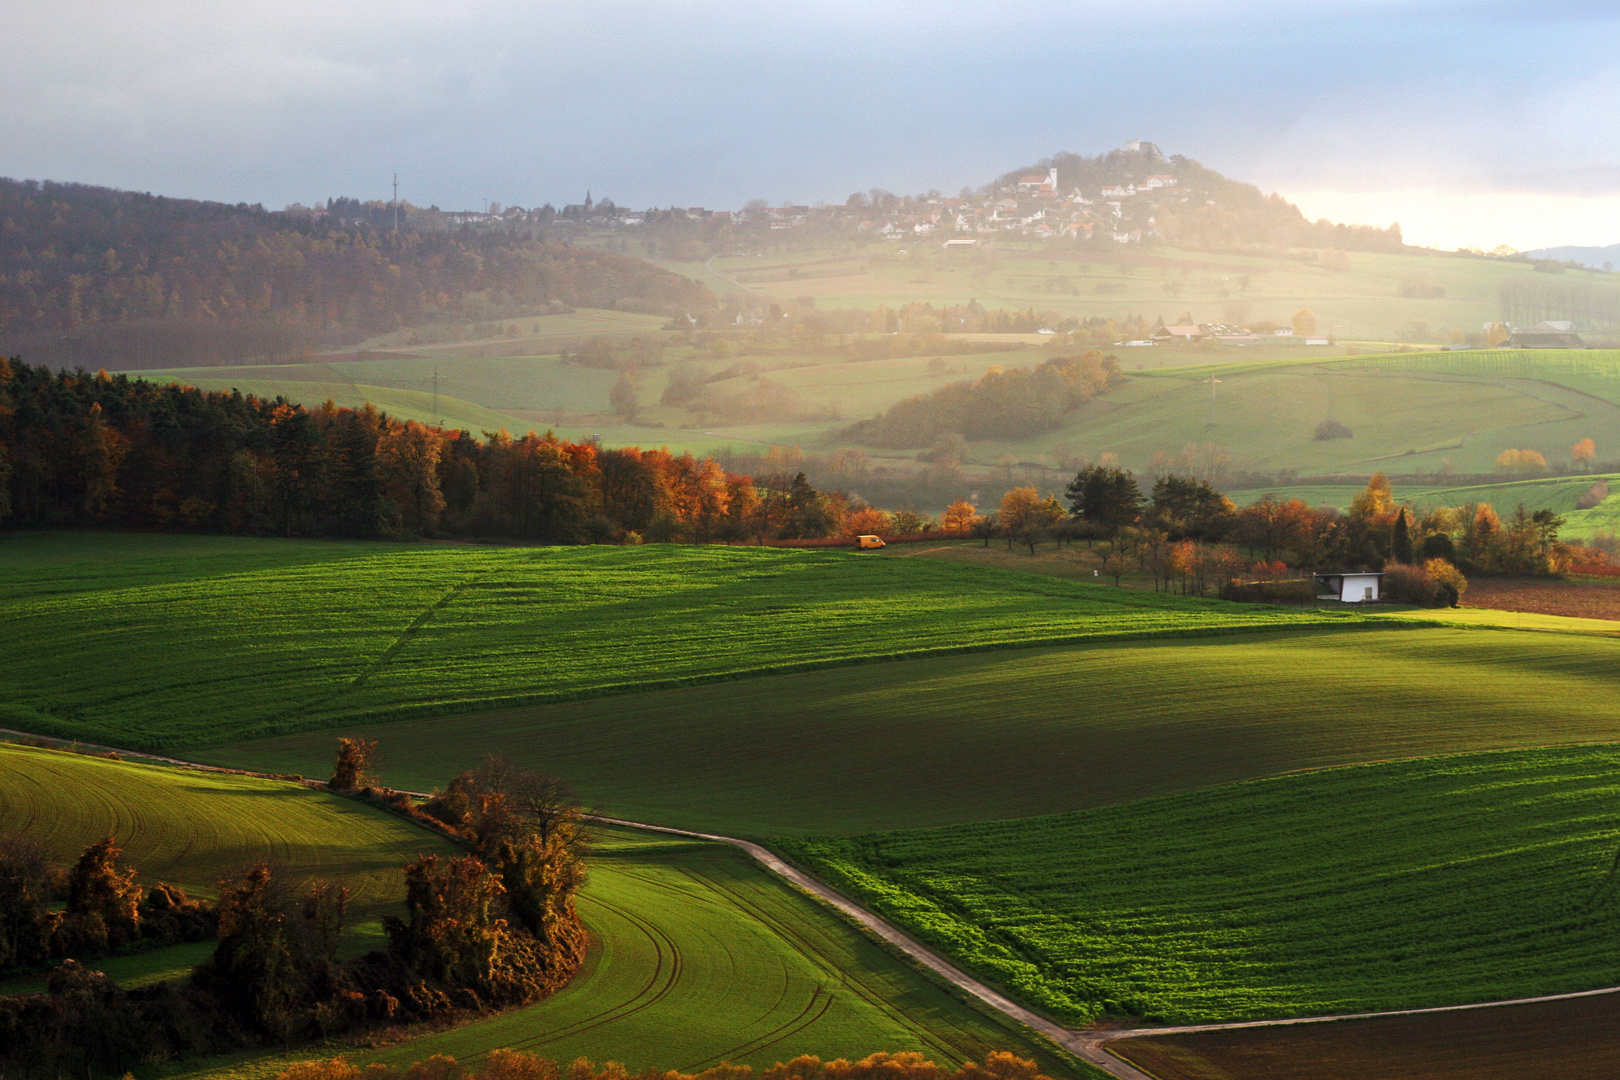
x,y
92,275
79,449
492,928
1190,536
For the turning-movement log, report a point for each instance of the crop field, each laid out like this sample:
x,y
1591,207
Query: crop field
x,y
1439,881
193,829
390,632
964,738
698,954
1584,600
702,956
1572,1040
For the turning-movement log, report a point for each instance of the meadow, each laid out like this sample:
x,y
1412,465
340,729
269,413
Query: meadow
x,y
1438,881
964,738
698,954
339,634
194,828
1572,1040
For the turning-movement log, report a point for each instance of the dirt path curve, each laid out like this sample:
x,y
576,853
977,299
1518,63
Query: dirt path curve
x,y
1076,1043
1087,1044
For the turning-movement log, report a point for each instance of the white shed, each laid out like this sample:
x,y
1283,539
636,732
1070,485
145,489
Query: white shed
x,y
1352,587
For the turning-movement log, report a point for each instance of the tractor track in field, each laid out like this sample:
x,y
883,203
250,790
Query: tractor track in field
x,y
1087,1044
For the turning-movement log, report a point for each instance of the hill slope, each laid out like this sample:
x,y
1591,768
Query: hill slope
x,y
137,280
282,638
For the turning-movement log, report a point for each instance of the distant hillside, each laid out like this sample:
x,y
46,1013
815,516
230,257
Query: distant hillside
x,y
1202,209
1598,258
95,276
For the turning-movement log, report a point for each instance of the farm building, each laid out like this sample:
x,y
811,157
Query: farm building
x,y
1353,587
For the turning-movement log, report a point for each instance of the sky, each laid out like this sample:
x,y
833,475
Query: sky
x,y
1471,122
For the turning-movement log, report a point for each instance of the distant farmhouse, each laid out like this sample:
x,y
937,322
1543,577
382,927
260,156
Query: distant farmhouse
x,y
1556,334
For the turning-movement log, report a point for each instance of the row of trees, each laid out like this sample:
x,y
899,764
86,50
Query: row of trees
x,y
1185,533
99,449
492,928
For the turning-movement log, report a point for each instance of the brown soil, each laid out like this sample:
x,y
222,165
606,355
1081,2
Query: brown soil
x,y
1581,599
1576,1039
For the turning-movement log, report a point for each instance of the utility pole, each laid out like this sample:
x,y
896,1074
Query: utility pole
x,y
396,204
435,379
1213,381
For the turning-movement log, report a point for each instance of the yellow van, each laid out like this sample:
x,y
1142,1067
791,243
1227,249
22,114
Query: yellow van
x,y
871,542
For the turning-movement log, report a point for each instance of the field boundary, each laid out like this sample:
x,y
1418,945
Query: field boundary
x,y
1089,1045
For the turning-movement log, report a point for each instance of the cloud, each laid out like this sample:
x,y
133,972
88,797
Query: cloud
x,y
715,102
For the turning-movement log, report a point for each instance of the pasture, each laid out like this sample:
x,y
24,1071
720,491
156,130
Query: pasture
x,y
1572,1040
194,828
1438,881
964,738
351,633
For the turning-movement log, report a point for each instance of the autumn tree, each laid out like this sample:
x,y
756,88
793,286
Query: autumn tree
x,y
959,515
1027,517
866,520
623,396
1304,323
1581,454
355,758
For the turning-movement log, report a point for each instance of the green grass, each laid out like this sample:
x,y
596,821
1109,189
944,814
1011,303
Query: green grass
x,y
702,956
192,829
966,738
697,953
163,652
1429,882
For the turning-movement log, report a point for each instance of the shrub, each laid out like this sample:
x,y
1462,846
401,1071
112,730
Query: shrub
x,y
1450,580
1332,429
1410,585
1296,591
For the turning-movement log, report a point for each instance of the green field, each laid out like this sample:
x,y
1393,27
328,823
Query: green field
x,y
193,828
697,953
281,637
958,739
1422,883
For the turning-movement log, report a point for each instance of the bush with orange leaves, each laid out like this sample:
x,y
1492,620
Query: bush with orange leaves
x,y
513,1065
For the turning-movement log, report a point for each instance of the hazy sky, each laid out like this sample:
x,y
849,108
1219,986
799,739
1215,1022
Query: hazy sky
x,y
1469,122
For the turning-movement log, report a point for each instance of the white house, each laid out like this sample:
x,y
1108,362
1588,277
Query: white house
x,y
1353,587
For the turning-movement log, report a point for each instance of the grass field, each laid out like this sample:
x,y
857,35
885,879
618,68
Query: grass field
x,y
697,953
281,637
192,829
1439,881
702,957
1571,1040
958,739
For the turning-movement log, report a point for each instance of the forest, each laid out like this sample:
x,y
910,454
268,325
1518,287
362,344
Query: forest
x,y
81,449
96,276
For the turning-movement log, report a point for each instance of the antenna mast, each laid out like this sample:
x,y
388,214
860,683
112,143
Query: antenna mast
x,y
396,204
